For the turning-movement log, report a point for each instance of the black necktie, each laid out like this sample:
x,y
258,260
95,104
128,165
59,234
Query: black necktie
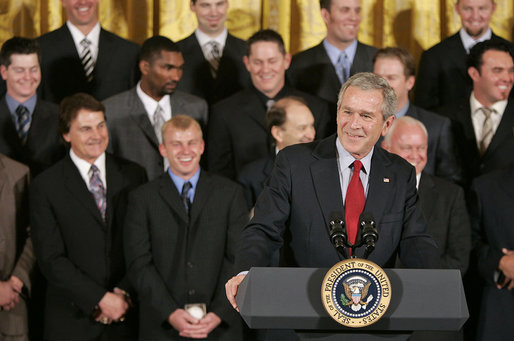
x,y
184,195
23,122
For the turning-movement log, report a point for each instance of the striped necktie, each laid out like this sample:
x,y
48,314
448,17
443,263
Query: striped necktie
x,y
22,122
97,188
87,59
214,57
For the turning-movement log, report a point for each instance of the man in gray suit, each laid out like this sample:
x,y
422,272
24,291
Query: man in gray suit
x,y
136,116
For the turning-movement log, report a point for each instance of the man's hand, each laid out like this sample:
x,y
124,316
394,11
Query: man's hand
x,y
231,289
506,265
188,326
113,306
8,296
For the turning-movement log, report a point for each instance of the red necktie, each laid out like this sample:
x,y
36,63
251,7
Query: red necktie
x,y
354,202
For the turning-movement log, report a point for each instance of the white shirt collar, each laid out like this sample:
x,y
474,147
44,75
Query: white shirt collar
x,y
93,36
150,104
469,42
83,166
204,38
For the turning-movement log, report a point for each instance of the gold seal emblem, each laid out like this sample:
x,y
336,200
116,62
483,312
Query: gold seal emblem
x,y
356,292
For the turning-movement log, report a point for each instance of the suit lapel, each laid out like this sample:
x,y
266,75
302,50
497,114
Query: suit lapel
x,y
104,54
78,189
464,117
171,196
459,54
330,74
381,183
325,176
504,131
138,114
202,194
254,107
427,195
9,133
114,178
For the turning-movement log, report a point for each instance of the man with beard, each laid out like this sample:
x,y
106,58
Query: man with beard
x,y
137,115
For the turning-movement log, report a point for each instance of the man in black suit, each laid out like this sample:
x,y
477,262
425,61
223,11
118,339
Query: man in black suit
x,y
181,233
397,66
442,203
443,77
322,69
237,131
213,57
136,116
81,56
28,124
312,180
493,242
483,121
289,121
77,210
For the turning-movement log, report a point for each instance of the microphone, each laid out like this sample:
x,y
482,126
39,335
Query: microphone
x,y
369,232
338,235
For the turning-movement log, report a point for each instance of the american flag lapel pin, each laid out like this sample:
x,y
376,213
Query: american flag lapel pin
x,y
386,180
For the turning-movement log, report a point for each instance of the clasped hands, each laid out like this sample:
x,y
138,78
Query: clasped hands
x,y
112,307
10,292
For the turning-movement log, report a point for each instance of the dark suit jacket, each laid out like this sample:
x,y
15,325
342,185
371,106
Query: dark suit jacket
x,y
500,152
174,260
442,74
131,134
43,147
232,75
491,217
80,255
441,155
116,68
253,176
294,211
312,71
16,254
237,129
444,209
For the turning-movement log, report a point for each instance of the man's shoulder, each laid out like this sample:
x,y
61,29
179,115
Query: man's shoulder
x,y
234,41
50,37
189,98
12,168
444,187
239,98
444,46
47,107
187,42
123,98
429,116
119,42
307,56
368,49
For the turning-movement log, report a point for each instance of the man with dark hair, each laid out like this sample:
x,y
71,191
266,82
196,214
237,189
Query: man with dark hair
x,y
483,121
322,69
397,66
28,124
237,129
344,172
77,211
181,234
213,57
81,56
443,77
137,115
289,121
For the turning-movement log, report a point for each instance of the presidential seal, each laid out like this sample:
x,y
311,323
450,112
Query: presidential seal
x,y
356,292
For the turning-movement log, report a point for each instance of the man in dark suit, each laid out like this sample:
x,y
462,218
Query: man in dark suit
x,y
322,69
16,255
312,180
213,57
77,210
289,121
237,131
442,203
136,115
443,77
28,124
493,242
397,66
181,233
83,57
483,121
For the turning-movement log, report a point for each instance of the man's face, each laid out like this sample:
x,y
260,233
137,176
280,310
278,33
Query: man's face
x,y
342,20
183,148
494,81
162,74
298,127
211,15
360,122
88,135
267,67
22,76
81,12
392,70
410,142
475,15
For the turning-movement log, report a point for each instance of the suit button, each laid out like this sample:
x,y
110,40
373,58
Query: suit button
x,y
191,292
189,264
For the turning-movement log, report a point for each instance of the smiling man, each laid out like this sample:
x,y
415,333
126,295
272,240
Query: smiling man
x,y
77,210
322,69
443,77
137,115
214,66
181,234
81,56
342,173
237,129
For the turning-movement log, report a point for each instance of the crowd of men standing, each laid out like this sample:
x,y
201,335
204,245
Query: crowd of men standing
x,y
129,174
